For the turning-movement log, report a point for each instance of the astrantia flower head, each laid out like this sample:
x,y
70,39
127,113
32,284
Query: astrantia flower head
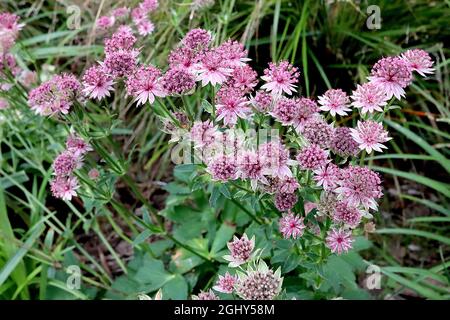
x,y
64,187
327,176
369,97
121,63
262,101
317,131
122,39
285,111
419,60
275,157
120,12
327,203
240,250
359,186
77,145
10,22
251,167
280,78
259,283
197,39
66,163
205,295
339,240
335,101
225,283
288,185
105,22
212,69
312,157
370,135
306,110
222,168
96,83
393,74
184,58
177,81
291,226
145,27
347,214
233,53
203,133
285,201
343,143
54,96
243,78
144,84
231,105
149,5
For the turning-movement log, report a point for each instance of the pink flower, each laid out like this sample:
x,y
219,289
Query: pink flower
x,y
359,186
197,39
120,12
240,250
317,131
369,97
231,105
393,74
312,157
184,58
418,60
66,163
288,185
280,78
370,135
285,201
105,22
251,167
149,5
28,78
285,111
225,283
64,187
122,39
212,69
205,295
121,63
349,215
233,53
327,176
203,133
145,27
243,78
222,168
343,143
306,110
77,145
335,101
291,226
54,96
276,159
177,81
97,84
262,101
10,22
339,240
144,84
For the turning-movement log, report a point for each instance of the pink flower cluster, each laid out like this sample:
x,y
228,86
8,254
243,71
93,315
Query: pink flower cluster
x,y
65,184
139,16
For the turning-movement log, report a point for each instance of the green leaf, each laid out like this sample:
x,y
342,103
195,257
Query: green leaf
x,y
414,232
221,238
175,289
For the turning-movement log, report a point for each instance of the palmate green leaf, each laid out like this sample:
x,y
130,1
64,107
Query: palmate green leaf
x,y
175,289
439,157
338,274
436,185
